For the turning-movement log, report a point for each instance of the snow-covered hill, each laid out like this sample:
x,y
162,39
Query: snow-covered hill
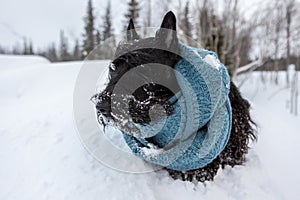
x,y
43,158
9,62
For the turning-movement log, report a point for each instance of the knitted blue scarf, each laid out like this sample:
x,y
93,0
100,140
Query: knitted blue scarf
x,y
199,129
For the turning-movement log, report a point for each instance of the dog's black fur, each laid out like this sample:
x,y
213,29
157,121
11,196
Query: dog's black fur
x,y
164,49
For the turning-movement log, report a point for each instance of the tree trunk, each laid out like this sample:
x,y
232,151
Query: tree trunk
x,y
276,64
288,51
289,12
149,13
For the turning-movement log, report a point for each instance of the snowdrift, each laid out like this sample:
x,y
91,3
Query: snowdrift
x,y
8,62
42,157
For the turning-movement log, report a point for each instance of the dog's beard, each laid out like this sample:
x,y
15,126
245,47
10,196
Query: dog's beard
x,y
126,107
149,103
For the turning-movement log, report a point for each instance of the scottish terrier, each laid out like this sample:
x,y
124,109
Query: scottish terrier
x,y
163,49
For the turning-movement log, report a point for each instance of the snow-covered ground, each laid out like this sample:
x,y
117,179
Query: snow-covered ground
x,y
9,62
42,156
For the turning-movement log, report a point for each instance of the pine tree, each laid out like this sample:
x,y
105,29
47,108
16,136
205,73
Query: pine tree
x,y
107,27
133,12
64,55
30,49
51,53
25,47
98,38
149,14
2,50
76,51
89,37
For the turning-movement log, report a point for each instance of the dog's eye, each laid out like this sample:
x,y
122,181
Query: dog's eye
x,y
112,66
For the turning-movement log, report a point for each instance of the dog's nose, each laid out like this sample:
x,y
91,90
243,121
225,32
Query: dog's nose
x,y
104,107
104,104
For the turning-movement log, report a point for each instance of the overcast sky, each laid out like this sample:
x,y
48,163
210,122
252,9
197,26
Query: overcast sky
x,y
41,20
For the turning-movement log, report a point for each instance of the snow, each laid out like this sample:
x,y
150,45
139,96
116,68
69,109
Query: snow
x,y
212,61
8,62
278,131
42,156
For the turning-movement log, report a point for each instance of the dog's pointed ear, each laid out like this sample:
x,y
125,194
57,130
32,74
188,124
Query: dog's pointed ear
x,y
169,21
131,33
167,32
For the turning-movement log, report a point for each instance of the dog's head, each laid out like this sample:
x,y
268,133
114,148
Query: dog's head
x,y
162,49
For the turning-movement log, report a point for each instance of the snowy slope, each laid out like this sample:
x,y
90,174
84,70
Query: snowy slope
x,y
42,157
8,60
278,145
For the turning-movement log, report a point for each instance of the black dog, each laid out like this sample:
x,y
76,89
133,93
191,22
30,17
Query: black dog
x,y
164,49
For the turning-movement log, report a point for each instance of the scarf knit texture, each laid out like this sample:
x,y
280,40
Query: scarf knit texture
x,y
199,128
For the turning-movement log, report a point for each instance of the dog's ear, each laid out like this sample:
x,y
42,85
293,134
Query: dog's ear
x,y
169,21
167,32
131,33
